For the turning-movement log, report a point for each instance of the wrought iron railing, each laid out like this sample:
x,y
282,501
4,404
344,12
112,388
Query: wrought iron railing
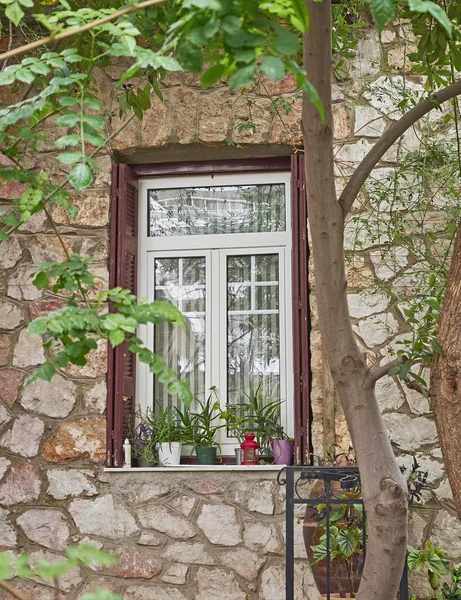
x,y
339,486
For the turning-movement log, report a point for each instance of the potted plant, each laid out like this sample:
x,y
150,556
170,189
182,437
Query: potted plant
x,y
282,446
168,434
201,427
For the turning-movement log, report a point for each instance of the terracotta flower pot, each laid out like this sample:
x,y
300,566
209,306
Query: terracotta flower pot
x,y
340,580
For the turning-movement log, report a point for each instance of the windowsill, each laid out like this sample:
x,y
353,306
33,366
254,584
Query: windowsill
x,y
191,468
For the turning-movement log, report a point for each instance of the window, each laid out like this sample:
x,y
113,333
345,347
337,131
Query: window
x,y
219,248
227,245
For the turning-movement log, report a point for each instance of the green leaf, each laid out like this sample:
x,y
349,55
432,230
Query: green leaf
x,y
80,177
191,57
67,140
212,4
382,11
286,43
3,236
300,18
45,371
69,119
182,390
11,220
38,326
116,337
67,101
212,75
169,63
41,280
14,13
70,158
25,76
242,77
423,6
93,103
40,68
347,540
273,67
314,97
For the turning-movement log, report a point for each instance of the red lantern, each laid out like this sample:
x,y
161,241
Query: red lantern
x,y
248,454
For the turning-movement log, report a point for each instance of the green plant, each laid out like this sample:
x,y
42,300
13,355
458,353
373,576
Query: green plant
x,y
263,418
22,566
165,424
431,559
236,422
452,590
200,427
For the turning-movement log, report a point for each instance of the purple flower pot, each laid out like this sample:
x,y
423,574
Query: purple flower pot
x,y
283,451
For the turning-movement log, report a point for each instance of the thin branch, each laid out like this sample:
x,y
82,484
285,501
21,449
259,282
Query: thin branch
x,y
11,590
75,31
10,44
381,371
373,157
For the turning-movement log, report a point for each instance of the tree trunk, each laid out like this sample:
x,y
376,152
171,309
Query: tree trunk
x,y
445,388
383,487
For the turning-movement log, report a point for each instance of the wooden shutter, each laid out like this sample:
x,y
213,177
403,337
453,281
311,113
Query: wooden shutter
x,y
301,323
123,272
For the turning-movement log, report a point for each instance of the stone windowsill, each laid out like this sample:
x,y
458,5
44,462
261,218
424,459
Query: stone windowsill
x,y
191,468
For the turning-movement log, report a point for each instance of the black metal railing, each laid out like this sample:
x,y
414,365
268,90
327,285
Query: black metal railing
x,y
339,486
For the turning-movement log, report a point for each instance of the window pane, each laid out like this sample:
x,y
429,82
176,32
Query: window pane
x,y
253,329
217,210
181,281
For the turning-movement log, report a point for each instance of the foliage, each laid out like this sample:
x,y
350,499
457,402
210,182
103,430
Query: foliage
x,y
431,559
201,426
23,566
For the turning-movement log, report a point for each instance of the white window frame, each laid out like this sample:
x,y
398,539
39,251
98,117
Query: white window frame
x,y
215,248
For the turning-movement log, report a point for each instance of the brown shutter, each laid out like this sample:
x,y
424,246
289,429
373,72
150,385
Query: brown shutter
x,y
301,323
121,376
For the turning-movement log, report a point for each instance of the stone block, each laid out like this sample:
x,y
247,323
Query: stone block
x,y
286,128
24,436
184,504
215,117
55,398
242,561
176,574
157,125
11,252
273,583
71,579
11,315
260,114
42,308
11,190
5,345
133,562
28,351
151,538
275,87
153,592
206,487
446,535
65,484
35,592
256,498
8,537
140,488
364,305
397,58
166,521
21,485
262,536
79,439
419,404
386,92
95,399
93,210
194,553
186,116
341,123
377,329
96,361
388,394
219,523
4,464
410,434
217,584
350,155
10,382
367,59
20,286
368,122
45,527
103,517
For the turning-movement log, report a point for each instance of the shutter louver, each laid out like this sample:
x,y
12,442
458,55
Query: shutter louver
x,y
301,324
121,385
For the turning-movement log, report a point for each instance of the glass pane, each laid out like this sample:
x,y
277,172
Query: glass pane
x,y
181,281
253,335
217,210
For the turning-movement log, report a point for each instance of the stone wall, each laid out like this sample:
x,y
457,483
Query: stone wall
x,y
190,535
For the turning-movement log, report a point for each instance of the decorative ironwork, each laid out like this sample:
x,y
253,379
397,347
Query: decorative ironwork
x,y
340,486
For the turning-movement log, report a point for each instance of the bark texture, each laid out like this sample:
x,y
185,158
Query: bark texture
x,y
383,487
445,386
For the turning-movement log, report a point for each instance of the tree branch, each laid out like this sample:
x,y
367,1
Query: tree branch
x,y
74,31
11,590
373,157
381,371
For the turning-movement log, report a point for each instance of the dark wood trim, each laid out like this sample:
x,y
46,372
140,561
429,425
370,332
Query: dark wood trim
x,y
213,167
